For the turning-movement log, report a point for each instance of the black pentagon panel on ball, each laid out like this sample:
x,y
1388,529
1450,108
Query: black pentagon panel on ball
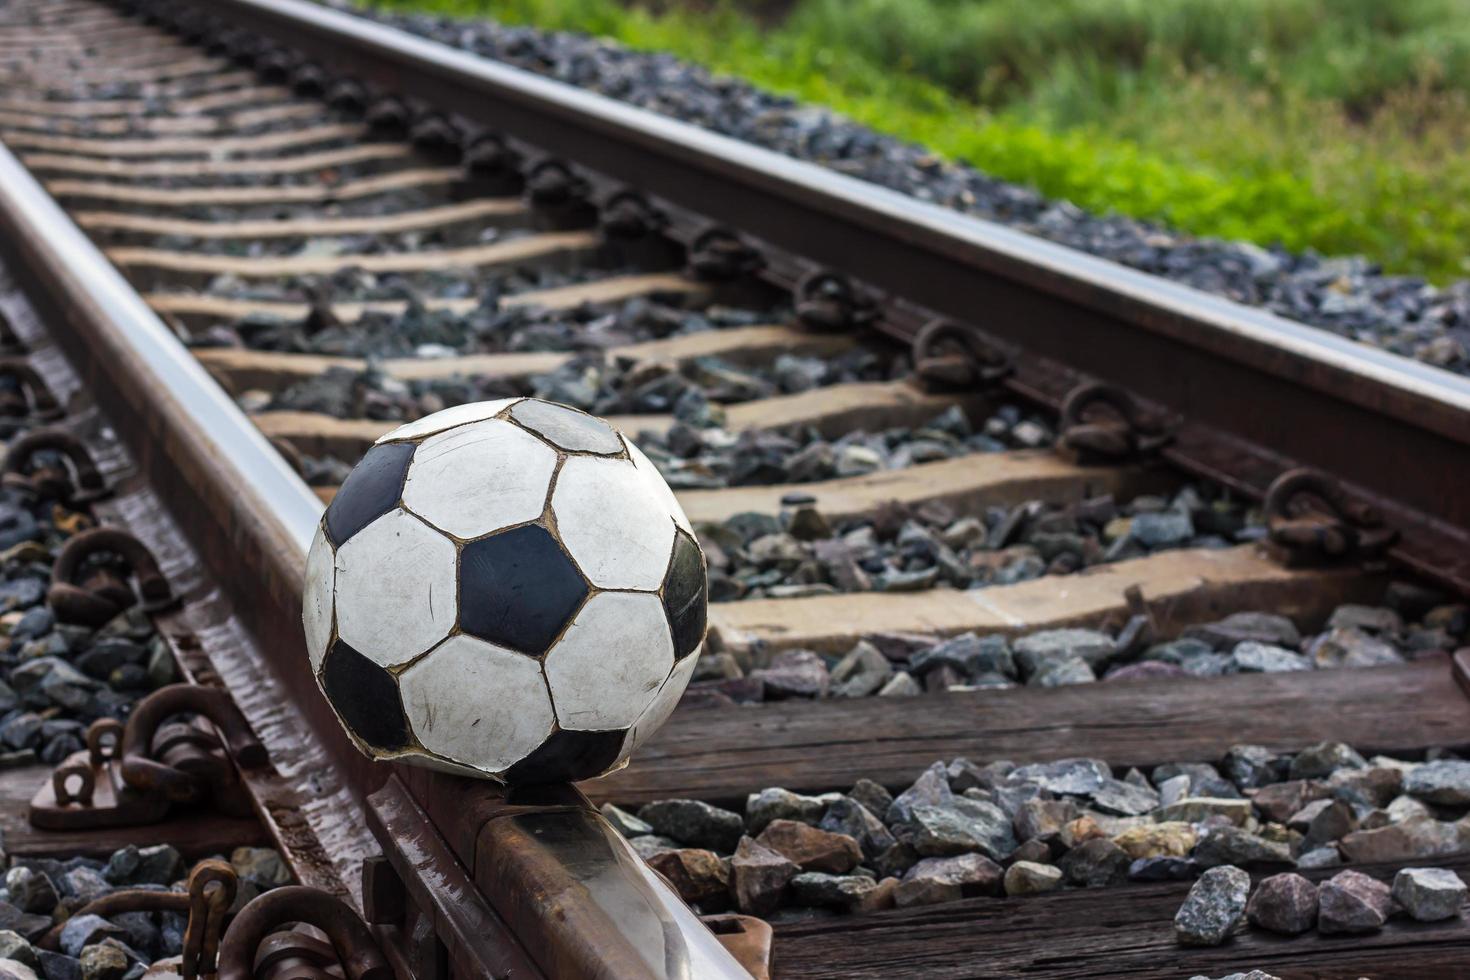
x,y
366,696
568,756
567,428
518,589
370,490
686,595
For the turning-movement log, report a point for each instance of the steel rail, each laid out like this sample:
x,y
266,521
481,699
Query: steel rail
x,y
1259,392
579,903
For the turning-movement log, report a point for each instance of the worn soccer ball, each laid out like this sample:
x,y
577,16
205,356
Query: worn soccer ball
x,y
505,589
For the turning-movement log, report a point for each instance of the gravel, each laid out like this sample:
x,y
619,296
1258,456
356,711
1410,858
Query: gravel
x,y
904,665
40,893
593,380
1348,296
962,830
801,553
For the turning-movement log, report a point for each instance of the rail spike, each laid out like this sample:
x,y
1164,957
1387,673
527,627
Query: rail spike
x,y
494,165
245,955
719,254
952,356
560,194
160,759
50,478
42,405
1312,521
1101,423
89,592
828,300
629,215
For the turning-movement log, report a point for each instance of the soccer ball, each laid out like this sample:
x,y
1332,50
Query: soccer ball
x,y
506,589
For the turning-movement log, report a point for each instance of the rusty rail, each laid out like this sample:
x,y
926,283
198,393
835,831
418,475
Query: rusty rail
x,y
579,903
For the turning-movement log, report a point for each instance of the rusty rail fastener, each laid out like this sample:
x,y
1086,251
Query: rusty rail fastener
x,y
42,404
89,591
828,300
434,132
628,215
1119,432
719,254
1311,520
953,356
50,479
193,769
358,953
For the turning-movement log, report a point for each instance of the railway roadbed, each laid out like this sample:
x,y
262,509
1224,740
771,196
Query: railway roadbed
x,y
1064,622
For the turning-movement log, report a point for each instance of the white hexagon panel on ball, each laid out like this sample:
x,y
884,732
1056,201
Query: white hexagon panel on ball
x,y
507,589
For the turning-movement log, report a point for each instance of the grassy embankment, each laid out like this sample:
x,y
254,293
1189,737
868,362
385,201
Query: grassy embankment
x,y
1339,125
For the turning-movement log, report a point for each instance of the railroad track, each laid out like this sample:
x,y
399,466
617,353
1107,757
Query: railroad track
x,y
918,447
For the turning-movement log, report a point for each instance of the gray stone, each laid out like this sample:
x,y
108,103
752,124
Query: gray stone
x,y
861,672
1323,759
958,827
844,892
794,674
1033,652
930,789
695,823
1326,856
650,845
1095,863
1066,777
1124,798
1285,903
15,970
776,803
1195,809
1213,907
758,877
1231,845
1346,647
1446,782
1161,530
1373,619
59,966
84,883
624,822
1403,808
87,930
1351,902
157,865
261,865
30,890
1429,894
1031,878
848,816
1262,658
1246,626
945,879
900,685
872,795
13,946
1062,672
968,654
105,961
1043,818
1249,766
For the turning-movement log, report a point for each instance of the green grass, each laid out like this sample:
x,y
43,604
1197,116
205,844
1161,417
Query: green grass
x,y
1337,125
